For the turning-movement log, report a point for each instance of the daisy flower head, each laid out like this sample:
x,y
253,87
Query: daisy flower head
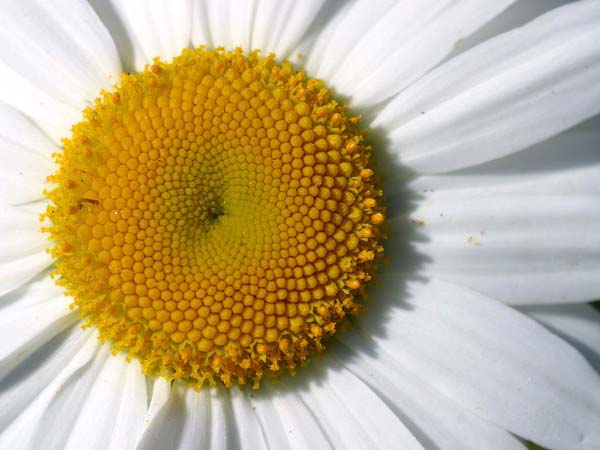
x,y
318,224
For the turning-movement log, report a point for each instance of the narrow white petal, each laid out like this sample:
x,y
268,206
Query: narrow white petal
x,y
131,410
23,330
21,230
197,426
491,359
116,402
295,423
341,34
178,418
36,370
265,16
22,245
241,19
217,18
577,324
36,291
247,424
517,15
568,164
223,434
60,56
279,26
402,44
114,16
272,424
200,33
291,27
162,420
270,26
557,173
504,95
25,159
146,29
516,247
46,422
192,419
340,402
161,392
436,420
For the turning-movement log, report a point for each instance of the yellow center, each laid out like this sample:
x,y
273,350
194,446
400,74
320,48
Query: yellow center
x,y
216,217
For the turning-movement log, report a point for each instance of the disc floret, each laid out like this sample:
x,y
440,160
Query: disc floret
x,y
216,217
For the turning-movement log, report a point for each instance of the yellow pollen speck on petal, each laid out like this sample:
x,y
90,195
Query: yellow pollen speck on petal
x,y
216,217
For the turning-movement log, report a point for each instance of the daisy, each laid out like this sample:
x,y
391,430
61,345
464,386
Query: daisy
x,y
178,219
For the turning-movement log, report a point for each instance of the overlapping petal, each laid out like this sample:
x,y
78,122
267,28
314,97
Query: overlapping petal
x,y
508,93
340,400
29,317
23,246
577,324
25,158
264,25
146,29
490,359
56,405
435,419
515,234
59,58
396,44
22,383
178,417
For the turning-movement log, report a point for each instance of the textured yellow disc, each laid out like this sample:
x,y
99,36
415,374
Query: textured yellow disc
x,y
216,217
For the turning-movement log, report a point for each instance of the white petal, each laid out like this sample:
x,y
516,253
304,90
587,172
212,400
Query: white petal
x,y
60,56
290,22
35,370
145,29
112,414
38,290
517,15
515,247
162,420
402,45
212,22
25,160
272,424
201,26
265,25
197,426
24,329
265,17
339,400
46,421
504,95
568,164
248,427
129,422
577,324
564,167
344,29
222,432
241,18
286,421
22,245
178,418
151,438
436,420
490,359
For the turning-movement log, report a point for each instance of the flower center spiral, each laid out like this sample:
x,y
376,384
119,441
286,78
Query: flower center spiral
x,y
216,217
